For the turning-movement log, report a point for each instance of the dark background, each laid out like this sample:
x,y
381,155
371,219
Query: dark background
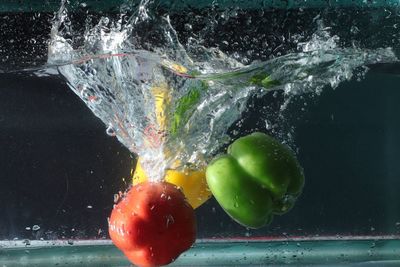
x,y
56,160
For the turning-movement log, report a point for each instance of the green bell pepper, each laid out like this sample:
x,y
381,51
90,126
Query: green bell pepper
x,y
258,178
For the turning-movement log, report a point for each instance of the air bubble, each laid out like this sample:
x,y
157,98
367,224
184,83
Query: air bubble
x,y
85,93
188,27
116,198
110,131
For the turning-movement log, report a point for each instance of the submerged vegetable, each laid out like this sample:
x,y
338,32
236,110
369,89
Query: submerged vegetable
x,y
185,107
264,80
192,182
153,224
257,178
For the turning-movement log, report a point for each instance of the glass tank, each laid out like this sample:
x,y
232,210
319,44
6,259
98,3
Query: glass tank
x,y
99,98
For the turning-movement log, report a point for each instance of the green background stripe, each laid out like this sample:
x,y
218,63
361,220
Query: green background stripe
x,y
277,253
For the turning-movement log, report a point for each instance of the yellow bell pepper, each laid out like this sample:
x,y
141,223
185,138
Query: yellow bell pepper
x,y
192,182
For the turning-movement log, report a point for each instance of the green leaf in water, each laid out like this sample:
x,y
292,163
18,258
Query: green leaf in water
x,y
185,107
264,80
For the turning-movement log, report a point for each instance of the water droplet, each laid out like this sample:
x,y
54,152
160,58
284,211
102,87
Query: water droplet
x,y
170,220
268,125
85,93
89,207
35,227
27,228
110,131
236,205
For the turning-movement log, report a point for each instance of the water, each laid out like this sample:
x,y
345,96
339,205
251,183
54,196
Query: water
x,y
248,70
172,104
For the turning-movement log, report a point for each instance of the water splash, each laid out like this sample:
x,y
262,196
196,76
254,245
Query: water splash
x,y
172,104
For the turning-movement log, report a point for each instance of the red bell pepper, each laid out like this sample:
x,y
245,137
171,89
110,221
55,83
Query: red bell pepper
x,y
153,224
